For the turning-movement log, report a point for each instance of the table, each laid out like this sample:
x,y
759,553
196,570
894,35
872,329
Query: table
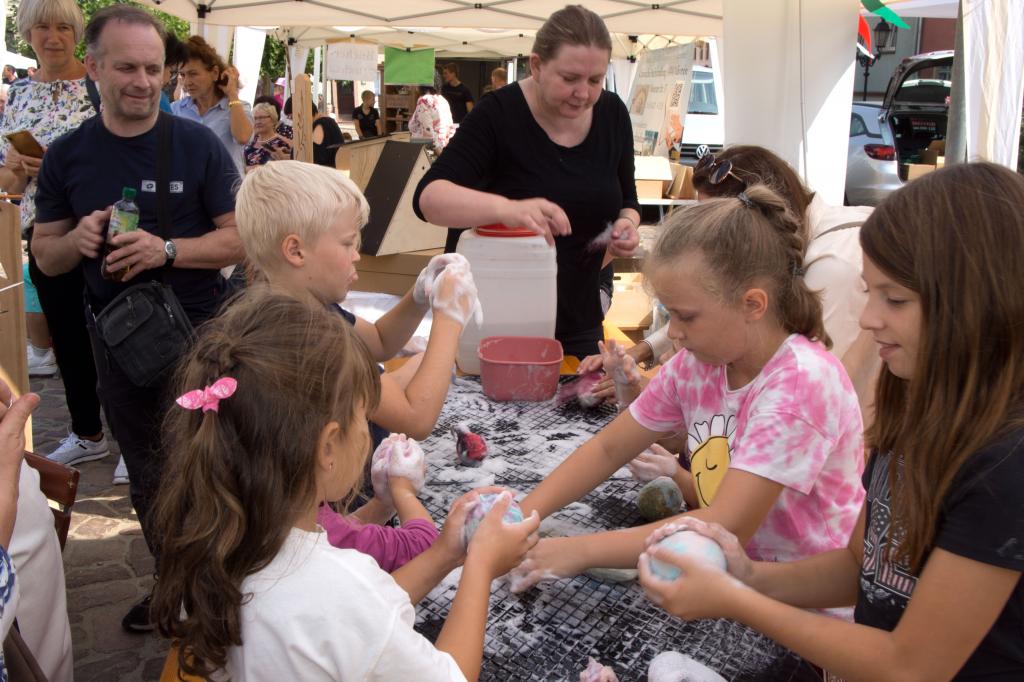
x,y
548,633
662,203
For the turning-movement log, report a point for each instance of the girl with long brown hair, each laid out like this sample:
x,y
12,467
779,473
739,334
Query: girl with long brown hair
x,y
774,438
272,424
934,564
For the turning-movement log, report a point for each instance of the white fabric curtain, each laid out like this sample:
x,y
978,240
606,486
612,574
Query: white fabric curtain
x,y
219,37
788,86
993,35
246,58
297,57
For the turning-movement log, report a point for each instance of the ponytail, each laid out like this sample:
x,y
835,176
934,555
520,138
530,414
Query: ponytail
x,y
236,478
752,239
799,309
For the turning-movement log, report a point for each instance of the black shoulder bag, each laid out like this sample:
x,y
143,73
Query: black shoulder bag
x,y
145,328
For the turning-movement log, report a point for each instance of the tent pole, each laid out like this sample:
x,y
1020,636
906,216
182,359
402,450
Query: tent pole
x,y
956,121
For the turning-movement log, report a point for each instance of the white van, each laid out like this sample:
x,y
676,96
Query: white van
x,y
704,123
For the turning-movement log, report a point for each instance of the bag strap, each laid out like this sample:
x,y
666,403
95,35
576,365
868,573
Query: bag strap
x,y
94,94
163,179
163,172
844,226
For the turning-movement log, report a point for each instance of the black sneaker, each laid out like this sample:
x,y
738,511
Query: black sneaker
x,y
137,619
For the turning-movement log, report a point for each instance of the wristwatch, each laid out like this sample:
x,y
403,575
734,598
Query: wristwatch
x,y
171,251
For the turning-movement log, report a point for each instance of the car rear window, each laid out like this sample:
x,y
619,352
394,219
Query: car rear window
x,y
702,94
929,85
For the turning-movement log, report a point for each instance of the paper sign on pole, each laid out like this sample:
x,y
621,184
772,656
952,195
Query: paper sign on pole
x,y
661,83
352,61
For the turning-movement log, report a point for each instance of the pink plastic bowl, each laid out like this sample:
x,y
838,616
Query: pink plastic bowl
x,y
519,367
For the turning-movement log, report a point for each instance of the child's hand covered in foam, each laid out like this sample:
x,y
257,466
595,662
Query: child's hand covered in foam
x,y
652,463
618,365
397,456
454,294
425,281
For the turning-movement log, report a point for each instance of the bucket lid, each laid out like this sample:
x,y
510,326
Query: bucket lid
x,y
498,230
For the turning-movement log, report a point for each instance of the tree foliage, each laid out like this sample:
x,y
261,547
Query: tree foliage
x,y
273,52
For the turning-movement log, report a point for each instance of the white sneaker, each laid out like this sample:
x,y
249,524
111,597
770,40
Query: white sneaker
x,y
75,450
121,472
41,362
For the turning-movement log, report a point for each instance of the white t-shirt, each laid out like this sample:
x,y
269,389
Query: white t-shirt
x,y
42,610
797,423
834,262
321,613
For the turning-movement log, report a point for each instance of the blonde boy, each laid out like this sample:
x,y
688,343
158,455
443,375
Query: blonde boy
x,y
300,227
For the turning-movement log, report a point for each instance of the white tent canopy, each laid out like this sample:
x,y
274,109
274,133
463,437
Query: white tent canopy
x,y
673,17
804,46
468,43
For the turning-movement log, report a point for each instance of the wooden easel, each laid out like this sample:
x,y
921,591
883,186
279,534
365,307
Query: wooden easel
x,y
13,361
302,117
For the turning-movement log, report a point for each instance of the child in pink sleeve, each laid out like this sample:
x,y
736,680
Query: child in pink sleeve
x,y
398,472
391,547
771,421
769,428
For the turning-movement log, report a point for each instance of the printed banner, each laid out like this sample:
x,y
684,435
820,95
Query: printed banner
x,y
661,83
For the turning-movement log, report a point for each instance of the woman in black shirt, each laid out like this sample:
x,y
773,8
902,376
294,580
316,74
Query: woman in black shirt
x,y
553,153
367,117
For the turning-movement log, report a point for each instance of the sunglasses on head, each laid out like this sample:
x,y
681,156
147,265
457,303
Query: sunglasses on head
x,y
717,171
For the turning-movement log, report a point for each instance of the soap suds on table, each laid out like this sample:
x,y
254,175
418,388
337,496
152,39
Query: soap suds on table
x,y
548,633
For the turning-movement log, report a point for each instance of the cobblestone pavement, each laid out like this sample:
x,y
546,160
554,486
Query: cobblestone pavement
x,y
106,563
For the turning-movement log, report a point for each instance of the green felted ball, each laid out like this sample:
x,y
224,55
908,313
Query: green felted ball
x,y
660,499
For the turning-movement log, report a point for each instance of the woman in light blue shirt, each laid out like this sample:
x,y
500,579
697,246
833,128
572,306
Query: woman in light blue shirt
x,y
212,99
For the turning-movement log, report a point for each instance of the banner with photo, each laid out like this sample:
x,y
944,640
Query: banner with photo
x,y
662,82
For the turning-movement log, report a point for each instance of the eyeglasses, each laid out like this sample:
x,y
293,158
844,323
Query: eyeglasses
x,y
716,171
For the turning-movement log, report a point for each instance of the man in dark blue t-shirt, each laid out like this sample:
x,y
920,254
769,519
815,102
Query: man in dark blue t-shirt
x,y
83,176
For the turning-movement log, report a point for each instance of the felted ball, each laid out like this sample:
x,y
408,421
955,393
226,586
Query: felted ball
x,y
660,499
690,544
477,512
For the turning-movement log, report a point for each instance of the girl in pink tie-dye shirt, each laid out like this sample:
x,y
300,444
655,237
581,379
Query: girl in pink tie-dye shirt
x,y
772,422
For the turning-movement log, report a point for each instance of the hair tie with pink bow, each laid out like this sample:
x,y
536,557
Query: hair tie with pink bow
x,y
209,398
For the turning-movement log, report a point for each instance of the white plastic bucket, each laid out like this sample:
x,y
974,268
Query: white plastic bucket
x,y
515,272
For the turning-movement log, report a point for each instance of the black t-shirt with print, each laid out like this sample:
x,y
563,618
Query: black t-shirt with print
x,y
982,519
377,433
87,168
367,122
457,96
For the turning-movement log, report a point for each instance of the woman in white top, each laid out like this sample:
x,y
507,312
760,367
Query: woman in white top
x,y
432,119
272,424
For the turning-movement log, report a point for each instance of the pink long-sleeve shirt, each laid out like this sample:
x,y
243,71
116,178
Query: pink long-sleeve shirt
x,y
391,547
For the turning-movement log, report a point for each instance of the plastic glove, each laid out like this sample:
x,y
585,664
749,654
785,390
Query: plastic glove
x,y
454,294
425,281
653,462
397,456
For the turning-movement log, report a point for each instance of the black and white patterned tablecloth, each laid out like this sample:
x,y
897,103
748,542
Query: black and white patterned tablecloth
x,y
548,632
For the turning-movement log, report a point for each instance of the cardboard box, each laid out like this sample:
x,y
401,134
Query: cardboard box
x,y
653,176
936,150
394,274
912,171
682,183
631,309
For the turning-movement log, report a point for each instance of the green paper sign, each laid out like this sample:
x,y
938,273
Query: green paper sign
x,y
414,67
